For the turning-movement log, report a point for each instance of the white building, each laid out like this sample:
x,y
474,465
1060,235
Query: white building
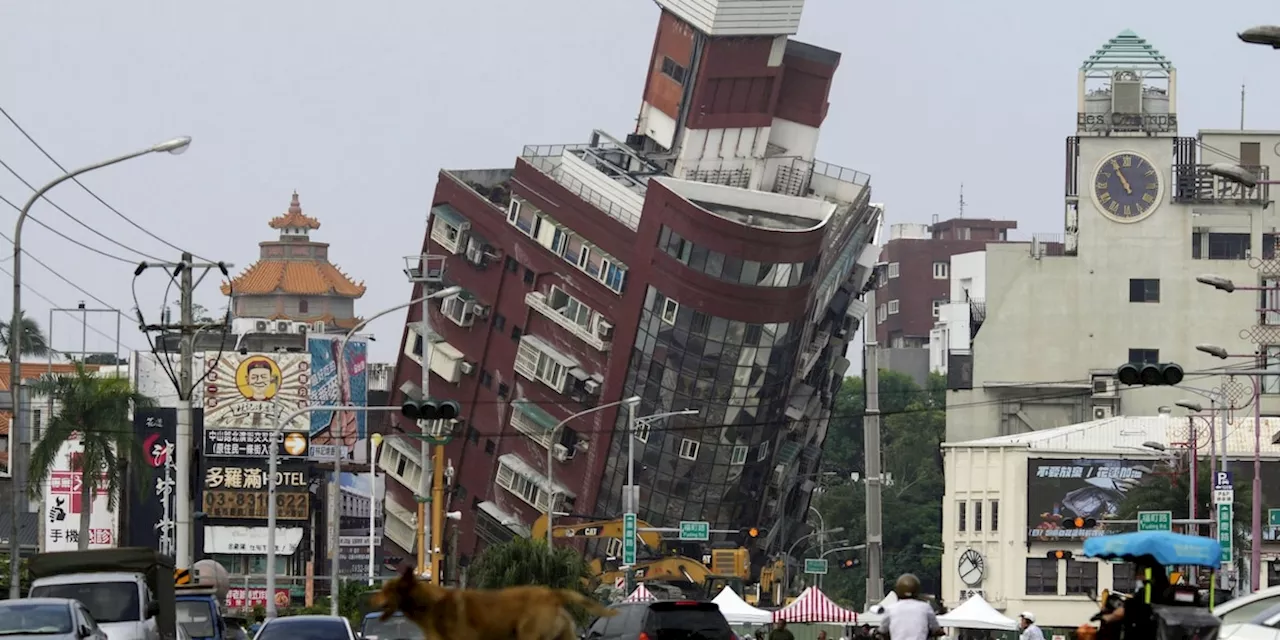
x,y
1142,219
952,334
1004,493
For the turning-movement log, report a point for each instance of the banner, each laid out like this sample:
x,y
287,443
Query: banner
x,y
242,598
151,489
65,507
332,385
255,390
1062,489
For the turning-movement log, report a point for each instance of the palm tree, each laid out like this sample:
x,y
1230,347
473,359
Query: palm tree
x,y
34,342
522,561
96,411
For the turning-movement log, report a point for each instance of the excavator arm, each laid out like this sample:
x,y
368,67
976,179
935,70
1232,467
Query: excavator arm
x,y
597,529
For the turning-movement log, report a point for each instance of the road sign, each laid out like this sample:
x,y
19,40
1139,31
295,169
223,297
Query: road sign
x,y
1273,517
817,566
1155,521
1225,530
1223,480
629,539
1224,496
691,530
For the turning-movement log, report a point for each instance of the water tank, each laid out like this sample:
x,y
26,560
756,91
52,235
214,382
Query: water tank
x,y
210,573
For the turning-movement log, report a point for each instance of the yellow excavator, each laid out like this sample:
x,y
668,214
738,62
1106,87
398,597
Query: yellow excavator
x,y
730,567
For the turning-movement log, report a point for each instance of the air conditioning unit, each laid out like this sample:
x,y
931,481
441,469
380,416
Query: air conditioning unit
x,y
241,326
302,328
604,329
476,253
779,475
261,326
466,368
563,453
1104,387
283,326
591,386
582,445
480,310
461,312
1101,412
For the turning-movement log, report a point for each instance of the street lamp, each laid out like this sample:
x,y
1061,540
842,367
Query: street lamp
x,y
1267,35
1234,173
174,146
375,441
1189,405
1213,350
786,560
551,446
1217,282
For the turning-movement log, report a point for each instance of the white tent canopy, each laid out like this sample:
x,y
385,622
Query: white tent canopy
x,y
977,613
641,594
875,614
737,611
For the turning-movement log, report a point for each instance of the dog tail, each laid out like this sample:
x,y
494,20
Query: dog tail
x,y
593,607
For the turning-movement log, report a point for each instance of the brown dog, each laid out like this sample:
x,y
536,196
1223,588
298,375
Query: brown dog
x,y
522,613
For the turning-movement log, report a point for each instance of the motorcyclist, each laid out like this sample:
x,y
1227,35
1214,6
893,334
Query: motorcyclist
x,y
911,618
1134,615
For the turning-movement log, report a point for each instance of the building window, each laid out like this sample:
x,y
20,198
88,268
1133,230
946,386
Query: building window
x,y
499,322
521,486
961,515
689,449
458,309
489,447
570,307
1042,577
893,270
995,515
977,516
1082,577
764,452
448,233
882,312
670,308
528,275
941,270
1271,384
739,455
303,306
1144,290
503,390
613,548
536,361
673,70
529,421
1220,246
510,263
893,307
1144,356
1124,577
642,431
937,307
513,211
486,379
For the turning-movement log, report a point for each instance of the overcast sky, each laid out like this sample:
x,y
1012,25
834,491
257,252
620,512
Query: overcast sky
x,y
358,105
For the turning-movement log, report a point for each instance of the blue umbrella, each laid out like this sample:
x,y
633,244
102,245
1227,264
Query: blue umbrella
x,y
1167,548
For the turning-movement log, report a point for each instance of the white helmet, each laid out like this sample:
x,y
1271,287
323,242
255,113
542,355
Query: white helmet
x,y
1030,617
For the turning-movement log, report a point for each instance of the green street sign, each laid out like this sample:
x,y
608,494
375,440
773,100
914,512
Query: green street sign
x,y
1155,521
1225,530
629,539
691,530
1273,517
816,566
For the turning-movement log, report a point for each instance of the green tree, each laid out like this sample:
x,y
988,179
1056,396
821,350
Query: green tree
x,y
1167,488
34,342
25,576
523,561
913,426
95,410
199,313
105,359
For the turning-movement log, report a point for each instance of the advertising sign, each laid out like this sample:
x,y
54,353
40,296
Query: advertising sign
x,y
65,506
353,552
254,390
254,443
250,540
237,489
242,598
332,384
151,522
1059,490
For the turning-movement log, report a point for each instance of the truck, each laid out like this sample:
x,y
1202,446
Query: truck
x,y
129,591
199,600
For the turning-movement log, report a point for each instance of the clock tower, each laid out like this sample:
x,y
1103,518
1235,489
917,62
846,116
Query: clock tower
x,y
1119,162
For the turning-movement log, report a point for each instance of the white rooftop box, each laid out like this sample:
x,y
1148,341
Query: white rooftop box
x,y
739,17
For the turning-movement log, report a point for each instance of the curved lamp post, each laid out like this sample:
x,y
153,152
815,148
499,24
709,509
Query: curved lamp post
x,y
174,146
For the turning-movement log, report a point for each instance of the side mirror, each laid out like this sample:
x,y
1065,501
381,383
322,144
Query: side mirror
x,y
84,632
153,609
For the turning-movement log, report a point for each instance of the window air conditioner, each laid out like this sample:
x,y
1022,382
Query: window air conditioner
x,y
283,326
563,453
260,326
604,329
466,368
591,386
1102,413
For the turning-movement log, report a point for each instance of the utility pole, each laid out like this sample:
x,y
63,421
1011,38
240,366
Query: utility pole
x,y
184,272
871,449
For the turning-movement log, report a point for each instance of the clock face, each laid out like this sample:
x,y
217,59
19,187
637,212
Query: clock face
x,y
971,567
1127,187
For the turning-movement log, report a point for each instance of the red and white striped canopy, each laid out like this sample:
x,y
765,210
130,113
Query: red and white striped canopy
x,y
814,606
641,594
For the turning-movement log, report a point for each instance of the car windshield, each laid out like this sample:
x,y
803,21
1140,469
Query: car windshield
x,y
25,618
397,628
309,628
107,602
701,621
196,616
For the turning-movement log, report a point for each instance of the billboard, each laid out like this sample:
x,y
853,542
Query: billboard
x,y
332,384
236,489
254,390
151,491
1061,489
65,506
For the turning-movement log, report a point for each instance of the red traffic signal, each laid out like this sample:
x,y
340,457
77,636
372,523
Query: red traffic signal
x,y
1058,555
849,563
1079,523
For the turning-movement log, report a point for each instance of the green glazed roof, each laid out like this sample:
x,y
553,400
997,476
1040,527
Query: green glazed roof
x,y
1126,51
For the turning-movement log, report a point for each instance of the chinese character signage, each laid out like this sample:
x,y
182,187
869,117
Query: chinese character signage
x,y
253,391
237,489
1061,490
253,443
250,540
65,506
241,598
151,506
353,552
252,474
338,381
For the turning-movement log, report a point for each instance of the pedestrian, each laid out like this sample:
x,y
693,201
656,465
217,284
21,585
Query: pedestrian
x,y
822,634
911,618
780,631
1027,622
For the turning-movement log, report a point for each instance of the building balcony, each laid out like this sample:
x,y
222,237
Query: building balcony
x,y
565,165
811,352
1193,184
594,332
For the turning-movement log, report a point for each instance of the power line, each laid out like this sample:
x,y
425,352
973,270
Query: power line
x,y
80,320
95,195
65,236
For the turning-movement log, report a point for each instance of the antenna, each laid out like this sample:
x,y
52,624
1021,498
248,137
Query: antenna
x,y
962,198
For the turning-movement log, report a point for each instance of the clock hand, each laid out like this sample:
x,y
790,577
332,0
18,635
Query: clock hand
x,y
1124,182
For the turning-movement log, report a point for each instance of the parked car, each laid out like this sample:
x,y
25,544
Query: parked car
x,y
1263,626
397,627
662,620
48,619
308,627
1245,608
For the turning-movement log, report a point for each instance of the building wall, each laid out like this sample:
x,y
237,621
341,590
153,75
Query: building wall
x,y
248,306
922,281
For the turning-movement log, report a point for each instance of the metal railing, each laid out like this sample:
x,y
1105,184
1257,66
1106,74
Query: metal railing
x,y
580,189
843,174
1193,184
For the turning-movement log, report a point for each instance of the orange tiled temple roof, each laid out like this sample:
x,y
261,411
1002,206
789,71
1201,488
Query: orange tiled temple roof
x,y
299,278
294,217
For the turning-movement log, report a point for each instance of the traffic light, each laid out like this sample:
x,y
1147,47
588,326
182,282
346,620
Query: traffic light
x,y
751,532
1058,555
1079,523
849,563
1161,374
747,535
431,409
